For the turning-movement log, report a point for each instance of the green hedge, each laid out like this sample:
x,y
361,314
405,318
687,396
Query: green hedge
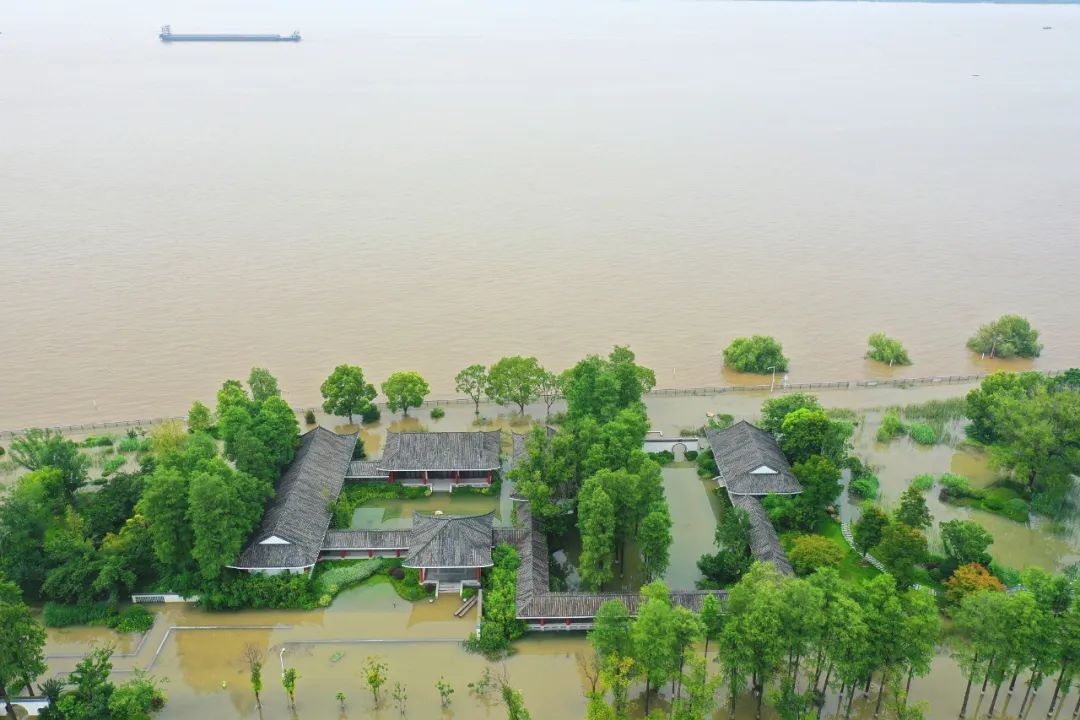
x,y
60,615
354,495
333,577
133,619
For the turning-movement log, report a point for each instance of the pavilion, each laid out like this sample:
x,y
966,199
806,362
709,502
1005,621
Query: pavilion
x,y
752,465
440,460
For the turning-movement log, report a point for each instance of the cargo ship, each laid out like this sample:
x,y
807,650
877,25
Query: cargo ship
x,y
167,35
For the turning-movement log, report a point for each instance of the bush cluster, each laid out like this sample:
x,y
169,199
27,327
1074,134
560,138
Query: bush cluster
x,y
500,625
330,579
61,615
437,412
133,619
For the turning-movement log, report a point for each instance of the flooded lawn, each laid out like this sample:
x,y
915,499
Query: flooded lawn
x,y
395,514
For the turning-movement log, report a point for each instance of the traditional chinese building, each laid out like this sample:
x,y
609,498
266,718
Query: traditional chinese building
x,y
441,460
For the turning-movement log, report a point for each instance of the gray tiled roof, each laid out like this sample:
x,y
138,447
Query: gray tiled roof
x,y
300,511
535,600
366,540
364,469
441,451
742,448
450,541
764,543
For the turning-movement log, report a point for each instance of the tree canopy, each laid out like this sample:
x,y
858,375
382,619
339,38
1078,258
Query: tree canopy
x,y
775,410
514,381
599,388
885,349
404,390
755,354
472,381
1008,336
346,392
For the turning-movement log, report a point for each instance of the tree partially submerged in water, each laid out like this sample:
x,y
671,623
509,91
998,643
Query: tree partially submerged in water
x,y
759,354
1008,336
888,350
404,390
472,381
346,392
514,381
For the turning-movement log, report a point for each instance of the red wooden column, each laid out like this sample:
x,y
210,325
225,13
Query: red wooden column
x,y
425,477
477,573
457,476
422,573
391,478
489,477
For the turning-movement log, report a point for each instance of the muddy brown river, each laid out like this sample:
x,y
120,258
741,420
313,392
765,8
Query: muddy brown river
x,y
425,185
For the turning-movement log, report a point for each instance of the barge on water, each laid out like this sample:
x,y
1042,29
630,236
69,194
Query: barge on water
x,y
167,35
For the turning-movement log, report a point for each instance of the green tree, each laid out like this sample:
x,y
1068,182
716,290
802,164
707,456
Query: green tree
x,y
752,642
550,390
808,432
983,404
288,681
276,427
654,638
618,672
514,381
802,615
224,507
1038,434
869,528
966,541
597,522
820,480
755,354
401,697
847,649
811,552
137,698
375,671
404,390
610,634
446,690
654,539
263,385
39,449
514,702
346,393
921,633
22,644
775,410
698,697
901,549
599,388
732,537
71,560
199,418
234,413
1008,336
254,659
913,511
126,559
471,381
29,509
884,614
712,620
885,349
91,688
165,504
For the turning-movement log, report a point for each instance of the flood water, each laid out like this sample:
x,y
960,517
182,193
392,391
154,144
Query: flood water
x,y
198,661
426,185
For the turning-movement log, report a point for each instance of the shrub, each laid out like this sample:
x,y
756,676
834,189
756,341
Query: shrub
x,y
437,412
756,354
343,575
721,421
235,590
2,451
968,580
922,433
664,457
1007,575
396,572
309,417
133,619
1008,336
1016,509
891,427
691,454
706,464
923,482
358,452
409,587
60,615
956,486
885,349
370,414
810,552
128,444
98,441
864,487
113,465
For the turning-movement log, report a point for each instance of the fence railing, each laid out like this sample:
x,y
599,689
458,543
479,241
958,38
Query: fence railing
x,y
657,392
